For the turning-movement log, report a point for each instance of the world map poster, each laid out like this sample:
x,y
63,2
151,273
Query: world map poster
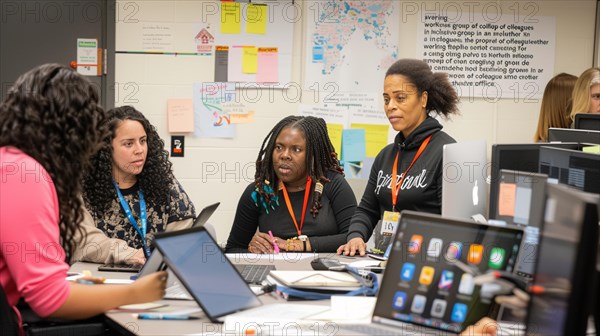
x,y
348,39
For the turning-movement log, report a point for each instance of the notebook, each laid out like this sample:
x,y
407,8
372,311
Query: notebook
x,y
423,289
205,272
199,221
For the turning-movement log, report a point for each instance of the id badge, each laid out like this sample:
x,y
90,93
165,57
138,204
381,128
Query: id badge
x,y
389,223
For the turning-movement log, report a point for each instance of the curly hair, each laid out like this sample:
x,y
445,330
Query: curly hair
x,y
52,114
155,179
320,158
442,98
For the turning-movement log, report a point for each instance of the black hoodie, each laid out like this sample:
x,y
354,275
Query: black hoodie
x,y
422,186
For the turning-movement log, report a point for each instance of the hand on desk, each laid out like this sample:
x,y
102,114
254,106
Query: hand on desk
x,y
262,243
137,259
351,247
484,327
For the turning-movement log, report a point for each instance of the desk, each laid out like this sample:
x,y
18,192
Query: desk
x,y
127,324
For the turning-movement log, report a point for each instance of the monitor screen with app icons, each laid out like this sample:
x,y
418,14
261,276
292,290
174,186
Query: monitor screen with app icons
x,y
422,283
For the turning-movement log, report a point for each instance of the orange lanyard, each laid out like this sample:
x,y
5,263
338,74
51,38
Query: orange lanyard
x,y
291,210
396,186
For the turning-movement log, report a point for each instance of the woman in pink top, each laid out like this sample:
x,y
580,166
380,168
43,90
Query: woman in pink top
x,y
49,127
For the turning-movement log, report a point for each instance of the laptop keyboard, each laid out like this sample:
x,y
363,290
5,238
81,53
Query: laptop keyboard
x,y
254,273
366,329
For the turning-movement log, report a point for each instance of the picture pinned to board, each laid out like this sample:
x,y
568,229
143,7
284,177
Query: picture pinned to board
x,y
177,145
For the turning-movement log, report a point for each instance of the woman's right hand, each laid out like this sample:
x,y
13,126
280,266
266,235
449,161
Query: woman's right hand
x,y
352,246
137,259
261,243
150,288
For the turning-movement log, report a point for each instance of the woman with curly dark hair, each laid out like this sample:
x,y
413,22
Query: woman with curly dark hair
x,y
406,175
296,168
130,192
50,124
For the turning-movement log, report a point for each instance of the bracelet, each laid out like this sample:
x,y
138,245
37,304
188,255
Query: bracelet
x,y
288,245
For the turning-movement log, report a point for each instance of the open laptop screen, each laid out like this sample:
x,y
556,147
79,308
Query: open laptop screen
x,y
520,200
422,283
206,273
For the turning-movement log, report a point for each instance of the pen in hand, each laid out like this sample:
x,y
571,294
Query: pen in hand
x,y
275,246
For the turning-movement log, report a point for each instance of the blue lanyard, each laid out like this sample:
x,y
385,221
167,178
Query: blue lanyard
x,y
141,231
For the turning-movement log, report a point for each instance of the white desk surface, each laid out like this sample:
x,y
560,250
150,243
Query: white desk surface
x,y
128,323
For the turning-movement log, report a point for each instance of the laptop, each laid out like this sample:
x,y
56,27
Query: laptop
x,y
464,185
198,222
423,291
519,200
205,272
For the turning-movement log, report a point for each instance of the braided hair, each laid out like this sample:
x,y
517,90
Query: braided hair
x,y
320,159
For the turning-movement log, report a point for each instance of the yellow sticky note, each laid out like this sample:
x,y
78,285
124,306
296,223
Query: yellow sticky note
x,y
231,18
249,60
376,137
506,199
335,135
256,18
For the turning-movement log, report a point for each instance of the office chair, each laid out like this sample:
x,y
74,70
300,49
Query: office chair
x,y
8,320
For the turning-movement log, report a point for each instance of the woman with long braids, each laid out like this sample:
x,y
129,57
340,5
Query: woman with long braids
x,y
299,193
130,192
50,124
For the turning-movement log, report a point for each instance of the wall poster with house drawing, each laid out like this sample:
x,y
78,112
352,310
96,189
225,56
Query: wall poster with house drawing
x,y
250,42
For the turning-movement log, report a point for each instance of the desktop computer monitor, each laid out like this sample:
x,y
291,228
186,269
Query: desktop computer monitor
x,y
587,121
520,200
573,135
575,168
464,185
562,290
519,157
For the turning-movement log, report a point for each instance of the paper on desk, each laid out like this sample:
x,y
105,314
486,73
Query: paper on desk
x,y
117,281
365,263
254,258
354,309
142,306
273,316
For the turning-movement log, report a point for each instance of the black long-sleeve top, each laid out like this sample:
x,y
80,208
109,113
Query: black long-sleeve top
x,y
326,232
422,187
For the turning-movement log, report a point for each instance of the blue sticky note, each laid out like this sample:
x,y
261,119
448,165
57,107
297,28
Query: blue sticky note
x,y
353,145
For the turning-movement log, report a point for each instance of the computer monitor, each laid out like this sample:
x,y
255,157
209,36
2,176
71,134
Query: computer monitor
x,y
562,292
588,121
520,157
573,135
578,169
464,180
520,200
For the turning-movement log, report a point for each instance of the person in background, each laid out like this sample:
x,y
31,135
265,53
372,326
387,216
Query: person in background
x,y
408,173
50,124
586,93
556,105
130,192
299,193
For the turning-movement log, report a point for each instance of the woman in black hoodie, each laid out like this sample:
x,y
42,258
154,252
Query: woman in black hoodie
x,y
412,93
